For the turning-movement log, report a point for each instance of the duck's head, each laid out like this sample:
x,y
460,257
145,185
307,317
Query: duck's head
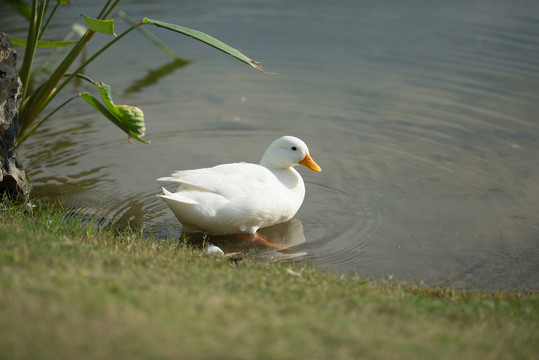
x,y
288,151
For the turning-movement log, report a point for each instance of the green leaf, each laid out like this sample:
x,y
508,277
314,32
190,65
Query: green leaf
x,y
131,116
205,38
128,118
22,42
102,26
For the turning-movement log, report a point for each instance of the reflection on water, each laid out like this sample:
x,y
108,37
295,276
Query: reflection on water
x,y
278,241
153,76
423,115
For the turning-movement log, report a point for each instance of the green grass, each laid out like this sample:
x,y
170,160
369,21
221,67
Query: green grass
x,y
67,293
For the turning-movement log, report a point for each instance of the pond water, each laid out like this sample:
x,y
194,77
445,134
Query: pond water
x,y
422,114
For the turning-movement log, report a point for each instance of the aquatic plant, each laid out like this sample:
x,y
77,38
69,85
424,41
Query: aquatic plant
x,y
37,98
130,119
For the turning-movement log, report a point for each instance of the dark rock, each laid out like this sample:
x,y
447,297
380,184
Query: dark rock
x,y
12,176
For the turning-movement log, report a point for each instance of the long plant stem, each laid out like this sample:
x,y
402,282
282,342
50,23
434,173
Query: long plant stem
x,y
40,99
104,10
92,58
31,43
27,131
24,72
105,14
31,109
49,19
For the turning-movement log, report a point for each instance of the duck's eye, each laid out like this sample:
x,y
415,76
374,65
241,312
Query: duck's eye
x,y
294,148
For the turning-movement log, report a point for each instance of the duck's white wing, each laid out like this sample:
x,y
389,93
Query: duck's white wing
x,y
229,180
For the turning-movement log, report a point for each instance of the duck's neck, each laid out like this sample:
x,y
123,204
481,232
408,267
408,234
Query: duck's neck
x,y
290,178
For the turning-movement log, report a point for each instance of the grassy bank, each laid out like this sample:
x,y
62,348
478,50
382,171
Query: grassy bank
x,y
69,294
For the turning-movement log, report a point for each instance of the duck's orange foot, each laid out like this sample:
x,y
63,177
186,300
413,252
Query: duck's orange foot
x,y
260,240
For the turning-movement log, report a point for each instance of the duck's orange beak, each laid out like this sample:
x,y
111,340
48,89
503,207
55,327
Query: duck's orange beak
x,y
309,162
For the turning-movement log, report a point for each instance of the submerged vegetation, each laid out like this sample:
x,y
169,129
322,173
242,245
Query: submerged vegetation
x,y
67,291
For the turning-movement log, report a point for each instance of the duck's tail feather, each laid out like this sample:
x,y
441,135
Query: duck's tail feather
x,y
167,195
168,178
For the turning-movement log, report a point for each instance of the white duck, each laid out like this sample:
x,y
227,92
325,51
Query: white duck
x,y
240,198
